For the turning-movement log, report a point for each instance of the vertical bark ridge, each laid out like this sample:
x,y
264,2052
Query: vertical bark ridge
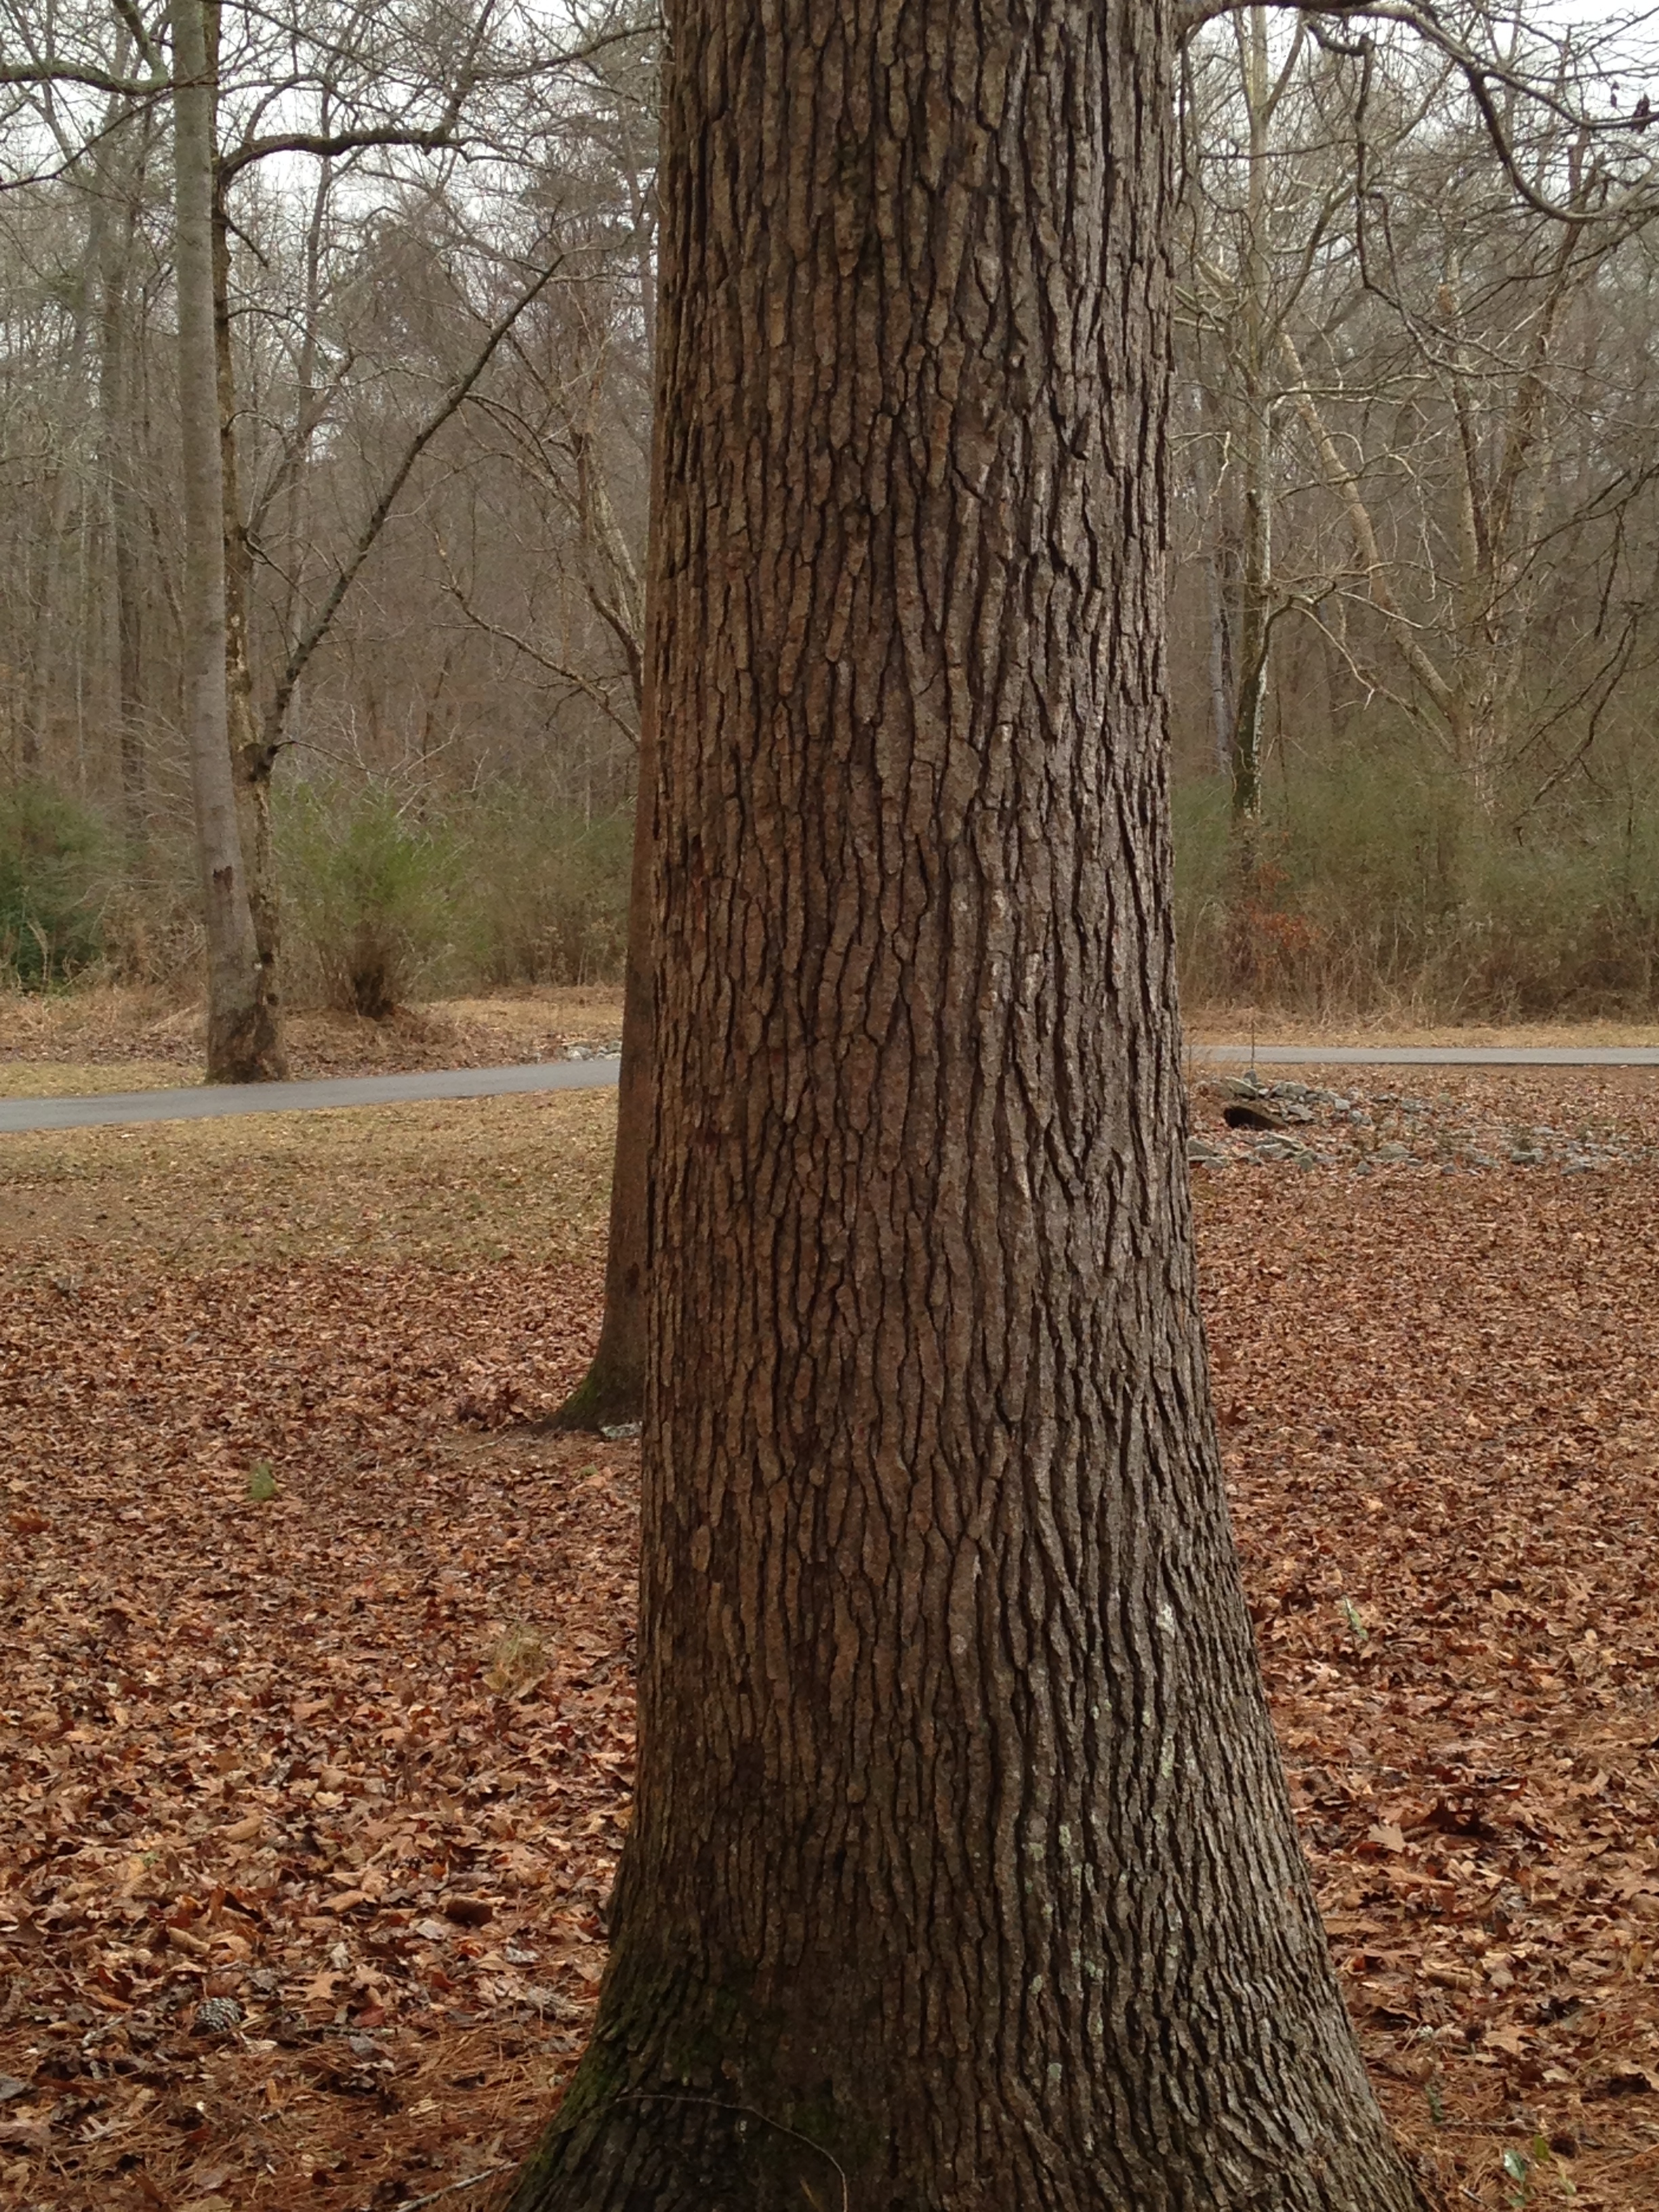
x,y
961,1848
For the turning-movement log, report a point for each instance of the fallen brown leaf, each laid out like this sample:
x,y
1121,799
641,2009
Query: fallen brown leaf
x,y
1442,1440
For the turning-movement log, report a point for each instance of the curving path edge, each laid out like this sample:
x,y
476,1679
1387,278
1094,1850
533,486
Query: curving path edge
x,y
208,1101
205,1102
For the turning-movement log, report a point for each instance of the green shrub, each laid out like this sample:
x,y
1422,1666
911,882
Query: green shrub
x,y
548,896
1374,888
53,873
371,896
1377,885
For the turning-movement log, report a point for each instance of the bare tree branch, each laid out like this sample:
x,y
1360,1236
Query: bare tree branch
x,y
50,71
567,674
1479,73
301,652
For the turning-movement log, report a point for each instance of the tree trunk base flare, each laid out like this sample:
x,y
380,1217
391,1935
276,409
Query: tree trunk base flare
x,y
710,2107
245,1044
963,1875
607,1397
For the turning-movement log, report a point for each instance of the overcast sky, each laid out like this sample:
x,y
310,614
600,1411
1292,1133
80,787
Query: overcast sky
x,y
1639,27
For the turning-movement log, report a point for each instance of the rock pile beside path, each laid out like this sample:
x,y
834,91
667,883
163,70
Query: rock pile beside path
x,y
1243,1122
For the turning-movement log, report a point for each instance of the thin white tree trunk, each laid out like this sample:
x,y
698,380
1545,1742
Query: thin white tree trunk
x,y
1255,622
124,160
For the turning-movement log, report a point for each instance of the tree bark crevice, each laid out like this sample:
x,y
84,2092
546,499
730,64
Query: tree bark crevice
x,y
962,1854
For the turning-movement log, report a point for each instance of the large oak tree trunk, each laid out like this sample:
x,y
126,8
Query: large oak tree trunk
x,y
962,1874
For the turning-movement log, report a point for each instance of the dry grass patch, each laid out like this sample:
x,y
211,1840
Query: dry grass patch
x,y
61,1078
439,1184
1237,1025
590,1012
83,1042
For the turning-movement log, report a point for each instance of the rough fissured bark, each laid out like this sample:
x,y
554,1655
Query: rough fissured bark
x,y
962,1874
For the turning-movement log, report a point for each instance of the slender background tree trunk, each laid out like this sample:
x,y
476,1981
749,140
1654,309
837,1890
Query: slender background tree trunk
x,y
252,762
1256,615
52,651
240,1043
612,1392
963,1873
120,163
118,430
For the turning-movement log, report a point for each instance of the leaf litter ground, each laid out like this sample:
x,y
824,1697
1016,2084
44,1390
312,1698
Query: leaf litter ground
x,y
315,1708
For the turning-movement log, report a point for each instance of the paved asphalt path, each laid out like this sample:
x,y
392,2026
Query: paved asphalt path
x,y
208,1102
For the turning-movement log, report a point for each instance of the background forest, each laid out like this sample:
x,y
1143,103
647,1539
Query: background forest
x,y
1415,462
